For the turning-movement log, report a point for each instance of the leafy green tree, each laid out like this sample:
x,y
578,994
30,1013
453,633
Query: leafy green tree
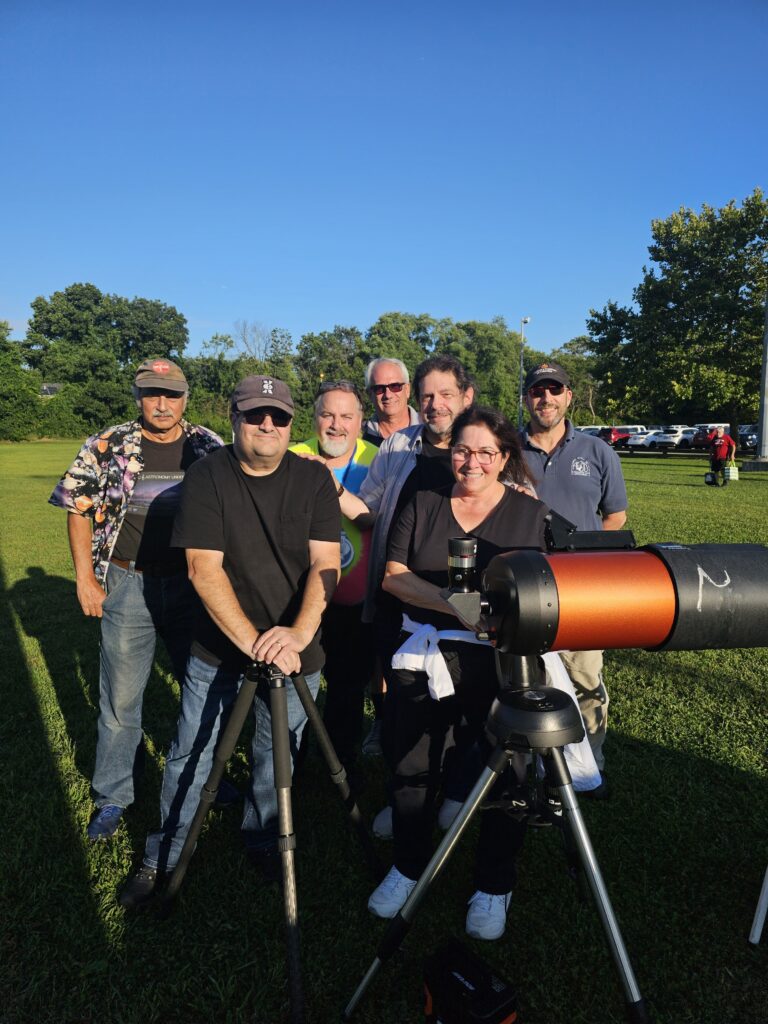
x,y
19,394
691,344
576,357
406,336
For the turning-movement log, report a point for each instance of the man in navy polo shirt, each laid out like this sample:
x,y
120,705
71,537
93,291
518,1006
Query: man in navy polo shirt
x,y
580,477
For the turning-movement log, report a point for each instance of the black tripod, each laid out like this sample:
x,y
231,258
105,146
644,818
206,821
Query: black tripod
x,y
286,843
538,720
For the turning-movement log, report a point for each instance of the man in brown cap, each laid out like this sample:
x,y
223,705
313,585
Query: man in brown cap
x,y
261,529
121,493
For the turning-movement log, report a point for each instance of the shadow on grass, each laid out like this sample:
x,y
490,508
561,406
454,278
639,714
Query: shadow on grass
x,y
53,938
48,610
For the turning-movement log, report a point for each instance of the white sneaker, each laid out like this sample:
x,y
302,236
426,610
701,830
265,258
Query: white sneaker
x,y
448,812
382,823
372,743
391,894
487,915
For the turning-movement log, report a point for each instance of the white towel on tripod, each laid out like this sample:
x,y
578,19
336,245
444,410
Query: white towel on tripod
x,y
421,653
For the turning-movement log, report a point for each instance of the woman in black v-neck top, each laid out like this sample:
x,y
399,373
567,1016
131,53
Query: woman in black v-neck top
x,y
484,503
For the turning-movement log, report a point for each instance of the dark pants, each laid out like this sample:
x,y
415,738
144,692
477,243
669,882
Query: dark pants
x,y
425,737
349,663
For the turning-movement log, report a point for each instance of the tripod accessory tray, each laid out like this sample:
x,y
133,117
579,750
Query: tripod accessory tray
x,y
461,989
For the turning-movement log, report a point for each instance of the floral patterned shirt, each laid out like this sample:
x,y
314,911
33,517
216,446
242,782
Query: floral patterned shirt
x,y
103,476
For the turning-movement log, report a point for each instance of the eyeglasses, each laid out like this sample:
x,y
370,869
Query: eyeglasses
x,y
255,417
340,385
380,389
484,456
539,390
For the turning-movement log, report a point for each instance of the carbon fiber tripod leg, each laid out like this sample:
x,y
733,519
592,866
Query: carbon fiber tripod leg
x,y
224,749
558,774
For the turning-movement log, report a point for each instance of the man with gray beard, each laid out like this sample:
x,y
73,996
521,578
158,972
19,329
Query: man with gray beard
x,y
347,642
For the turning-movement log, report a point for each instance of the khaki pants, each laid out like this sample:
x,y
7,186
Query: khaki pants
x,y
586,671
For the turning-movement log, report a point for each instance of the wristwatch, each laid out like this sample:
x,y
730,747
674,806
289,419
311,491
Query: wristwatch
x,y
340,490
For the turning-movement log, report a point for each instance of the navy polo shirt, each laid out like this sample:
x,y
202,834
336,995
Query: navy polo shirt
x,y
581,479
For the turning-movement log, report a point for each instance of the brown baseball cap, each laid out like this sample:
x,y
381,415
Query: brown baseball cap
x,y
547,371
161,373
257,392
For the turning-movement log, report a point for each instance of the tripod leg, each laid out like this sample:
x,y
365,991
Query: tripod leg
x,y
286,842
557,771
337,773
401,923
224,748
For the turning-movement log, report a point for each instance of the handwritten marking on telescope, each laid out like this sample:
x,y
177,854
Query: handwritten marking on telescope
x,y
704,576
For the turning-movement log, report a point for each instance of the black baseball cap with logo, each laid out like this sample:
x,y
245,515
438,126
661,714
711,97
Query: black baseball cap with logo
x,y
546,371
260,392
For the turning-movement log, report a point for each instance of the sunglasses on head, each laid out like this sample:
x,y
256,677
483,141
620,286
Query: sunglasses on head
x,y
539,390
379,389
255,417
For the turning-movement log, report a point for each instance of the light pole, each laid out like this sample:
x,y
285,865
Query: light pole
x,y
525,320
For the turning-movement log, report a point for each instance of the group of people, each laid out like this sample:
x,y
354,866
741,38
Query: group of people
x,y
328,555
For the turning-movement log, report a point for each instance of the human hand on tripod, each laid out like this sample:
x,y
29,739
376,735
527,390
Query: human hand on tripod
x,y
281,646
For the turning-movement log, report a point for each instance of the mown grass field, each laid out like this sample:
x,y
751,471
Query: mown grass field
x,y
682,843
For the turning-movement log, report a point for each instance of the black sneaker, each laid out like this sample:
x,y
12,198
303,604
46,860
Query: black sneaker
x,y
139,889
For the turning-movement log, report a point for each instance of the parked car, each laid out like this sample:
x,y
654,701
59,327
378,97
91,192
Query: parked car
x,y
647,440
688,434
617,437
594,430
673,438
748,438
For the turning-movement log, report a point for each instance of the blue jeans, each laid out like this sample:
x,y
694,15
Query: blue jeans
x,y
206,702
135,610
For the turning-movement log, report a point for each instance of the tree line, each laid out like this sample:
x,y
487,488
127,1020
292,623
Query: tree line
x,y
689,347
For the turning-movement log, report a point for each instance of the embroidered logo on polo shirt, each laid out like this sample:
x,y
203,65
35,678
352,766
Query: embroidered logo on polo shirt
x,y
580,467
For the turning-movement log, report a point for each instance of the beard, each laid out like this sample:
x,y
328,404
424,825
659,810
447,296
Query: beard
x,y
335,447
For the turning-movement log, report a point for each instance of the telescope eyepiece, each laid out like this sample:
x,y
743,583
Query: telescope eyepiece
x,y
462,562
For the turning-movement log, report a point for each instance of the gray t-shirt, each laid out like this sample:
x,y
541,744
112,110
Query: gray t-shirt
x,y
581,479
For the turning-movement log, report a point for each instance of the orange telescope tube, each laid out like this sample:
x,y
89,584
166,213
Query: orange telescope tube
x,y
612,599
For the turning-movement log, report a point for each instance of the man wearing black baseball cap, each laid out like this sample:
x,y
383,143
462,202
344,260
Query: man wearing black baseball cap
x,y
261,529
122,491
580,477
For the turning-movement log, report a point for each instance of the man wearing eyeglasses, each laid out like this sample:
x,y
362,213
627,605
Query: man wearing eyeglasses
x,y
580,477
121,493
347,641
388,385
261,530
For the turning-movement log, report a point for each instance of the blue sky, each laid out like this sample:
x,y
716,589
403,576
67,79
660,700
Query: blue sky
x,y
305,164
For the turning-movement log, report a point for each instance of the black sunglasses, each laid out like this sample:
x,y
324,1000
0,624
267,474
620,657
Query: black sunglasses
x,y
379,389
539,390
255,417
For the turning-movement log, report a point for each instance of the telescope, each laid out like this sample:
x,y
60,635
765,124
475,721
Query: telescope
x,y
590,590
595,590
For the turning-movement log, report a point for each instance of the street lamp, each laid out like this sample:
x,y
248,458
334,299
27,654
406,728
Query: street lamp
x,y
525,320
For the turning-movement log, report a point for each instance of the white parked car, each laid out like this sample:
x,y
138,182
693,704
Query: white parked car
x,y
648,440
672,437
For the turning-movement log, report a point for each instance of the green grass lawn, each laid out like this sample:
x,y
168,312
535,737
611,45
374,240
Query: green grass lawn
x,y
682,843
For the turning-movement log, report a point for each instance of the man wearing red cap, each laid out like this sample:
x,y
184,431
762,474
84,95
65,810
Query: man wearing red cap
x,y
121,493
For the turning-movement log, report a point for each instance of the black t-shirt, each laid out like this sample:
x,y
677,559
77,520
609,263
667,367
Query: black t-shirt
x,y
263,524
420,538
432,472
145,535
